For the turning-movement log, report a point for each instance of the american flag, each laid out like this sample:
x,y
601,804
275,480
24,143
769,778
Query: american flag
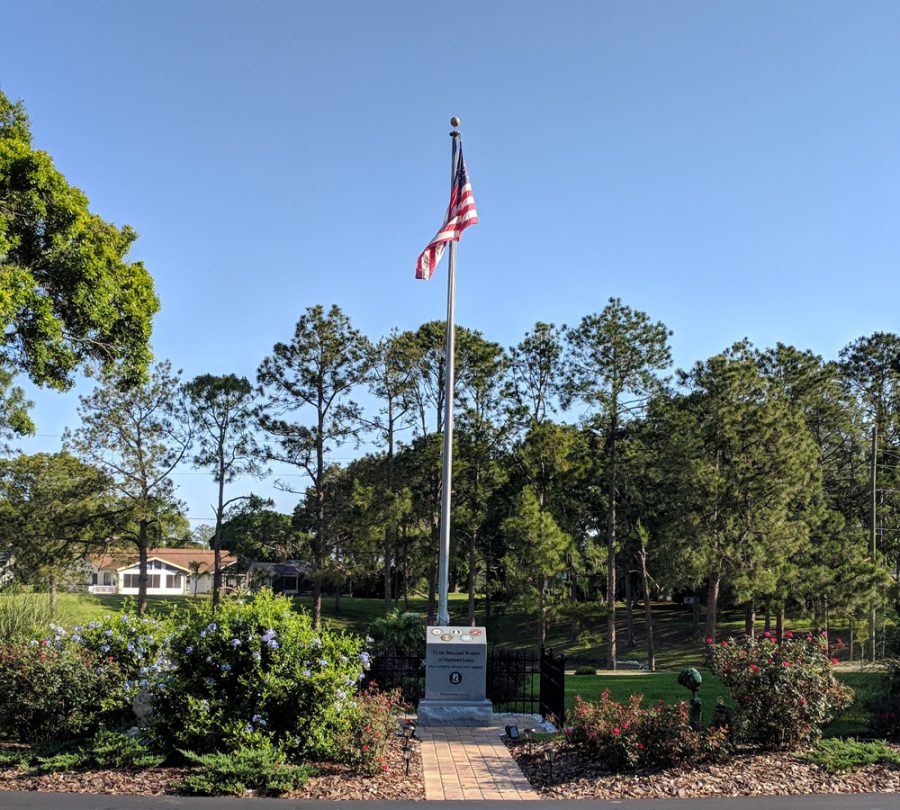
x,y
460,214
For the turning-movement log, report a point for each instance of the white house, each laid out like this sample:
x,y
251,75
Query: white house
x,y
170,572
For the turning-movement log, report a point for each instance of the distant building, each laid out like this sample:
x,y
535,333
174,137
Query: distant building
x,y
170,571
290,577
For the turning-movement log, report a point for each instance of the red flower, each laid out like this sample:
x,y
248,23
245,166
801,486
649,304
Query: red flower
x,y
786,663
789,634
834,660
616,730
365,748
384,767
709,640
641,746
724,643
43,642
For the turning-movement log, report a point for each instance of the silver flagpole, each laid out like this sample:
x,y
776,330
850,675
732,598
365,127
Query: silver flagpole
x,y
443,616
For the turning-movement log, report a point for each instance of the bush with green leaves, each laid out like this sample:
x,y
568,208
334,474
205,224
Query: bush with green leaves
x,y
261,769
586,669
625,736
254,672
840,756
56,691
784,693
363,740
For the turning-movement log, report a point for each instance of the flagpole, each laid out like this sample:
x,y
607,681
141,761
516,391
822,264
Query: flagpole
x,y
443,616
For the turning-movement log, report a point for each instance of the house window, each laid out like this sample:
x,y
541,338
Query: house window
x,y
93,579
175,581
131,580
107,578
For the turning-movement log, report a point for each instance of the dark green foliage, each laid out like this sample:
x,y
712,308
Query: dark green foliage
x,y
48,693
262,769
585,670
400,631
118,749
840,756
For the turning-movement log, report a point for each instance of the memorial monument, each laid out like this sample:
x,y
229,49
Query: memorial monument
x,y
455,677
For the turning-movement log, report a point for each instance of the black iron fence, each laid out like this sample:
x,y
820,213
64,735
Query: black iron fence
x,y
516,680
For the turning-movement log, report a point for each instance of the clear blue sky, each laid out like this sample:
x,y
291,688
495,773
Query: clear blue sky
x,y
731,168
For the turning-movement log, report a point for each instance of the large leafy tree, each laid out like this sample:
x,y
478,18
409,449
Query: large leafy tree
x,y
313,376
68,294
612,364
870,372
391,379
138,434
54,510
536,375
747,477
222,411
537,556
481,435
253,530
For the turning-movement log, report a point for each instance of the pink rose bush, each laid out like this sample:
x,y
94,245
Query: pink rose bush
x,y
784,693
625,736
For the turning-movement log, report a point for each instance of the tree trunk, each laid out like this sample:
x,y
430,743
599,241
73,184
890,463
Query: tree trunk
x,y
767,626
629,612
142,567
473,539
611,551
779,622
712,604
695,615
648,612
52,587
432,582
750,620
217,537
542,620
387,549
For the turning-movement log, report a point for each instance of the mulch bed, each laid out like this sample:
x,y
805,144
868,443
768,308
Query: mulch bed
x,y
747,774
332,782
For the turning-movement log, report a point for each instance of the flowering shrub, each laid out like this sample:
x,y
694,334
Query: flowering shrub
x,y
55,691
363,740
784,693
627,736
253,673
135,642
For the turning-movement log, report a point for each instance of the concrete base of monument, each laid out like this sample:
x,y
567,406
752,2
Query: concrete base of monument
x,y
433,712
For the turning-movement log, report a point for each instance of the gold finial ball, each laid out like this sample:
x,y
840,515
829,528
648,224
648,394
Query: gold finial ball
x,y
454,122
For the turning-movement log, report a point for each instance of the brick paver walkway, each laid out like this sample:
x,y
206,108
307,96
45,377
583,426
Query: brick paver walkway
x,y
470,763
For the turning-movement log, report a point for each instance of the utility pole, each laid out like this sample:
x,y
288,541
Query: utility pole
x,y
873,550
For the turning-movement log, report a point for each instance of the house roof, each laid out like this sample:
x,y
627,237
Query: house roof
x,y
179,557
